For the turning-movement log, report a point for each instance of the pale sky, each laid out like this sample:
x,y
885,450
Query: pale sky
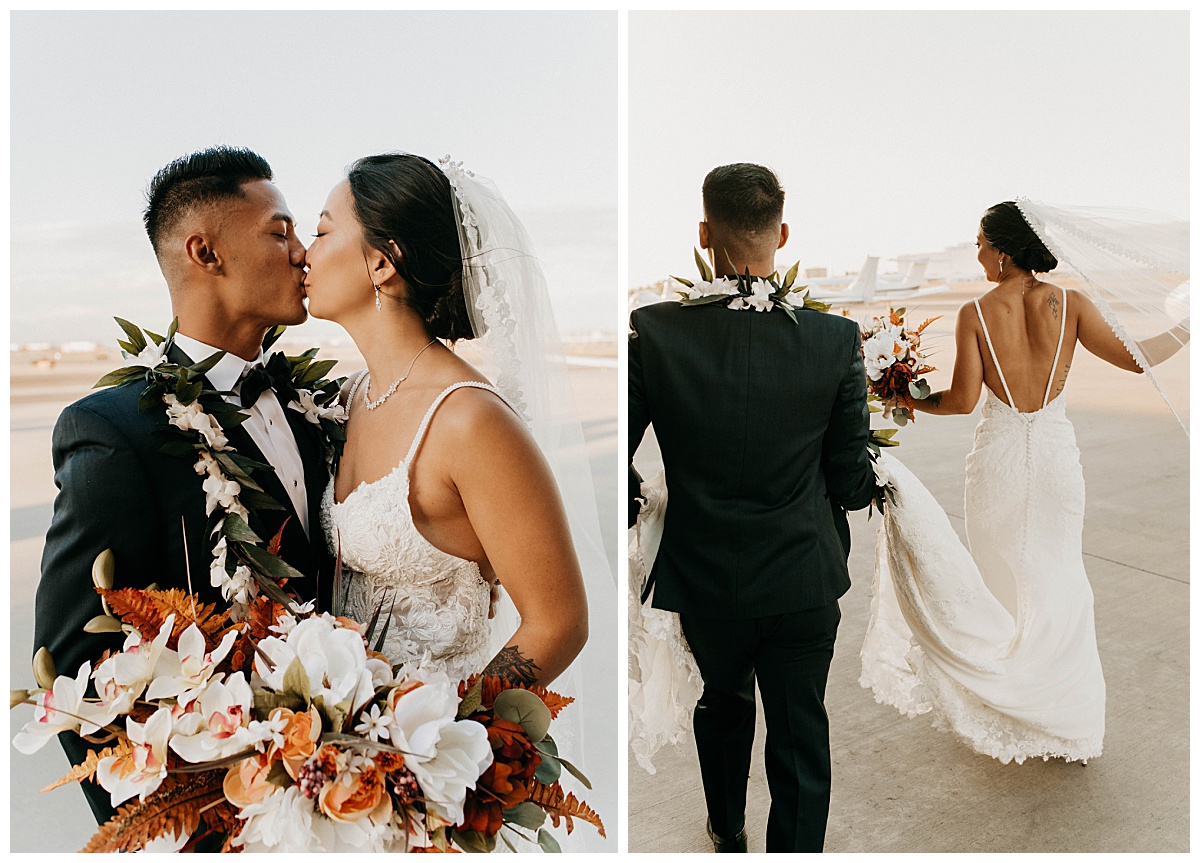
x,y
893,132
100,101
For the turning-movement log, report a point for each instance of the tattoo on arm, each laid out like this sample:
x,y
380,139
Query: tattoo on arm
x,y
512,666
1053,301
935,399
1062,384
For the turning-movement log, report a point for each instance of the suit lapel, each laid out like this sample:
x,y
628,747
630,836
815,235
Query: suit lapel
x,y
312,456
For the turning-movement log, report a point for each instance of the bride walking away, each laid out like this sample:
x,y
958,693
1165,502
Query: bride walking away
x,y
998,642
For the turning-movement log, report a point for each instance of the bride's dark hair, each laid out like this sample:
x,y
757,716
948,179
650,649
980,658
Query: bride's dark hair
x,y
1006,229
407,200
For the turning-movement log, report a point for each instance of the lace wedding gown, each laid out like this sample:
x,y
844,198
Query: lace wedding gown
x,y
440,611
998,643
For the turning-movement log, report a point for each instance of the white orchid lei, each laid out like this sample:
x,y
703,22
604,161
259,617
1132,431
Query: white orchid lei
x,y
744,291
197,418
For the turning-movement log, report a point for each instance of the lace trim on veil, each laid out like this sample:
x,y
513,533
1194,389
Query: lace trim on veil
x,y
1106,311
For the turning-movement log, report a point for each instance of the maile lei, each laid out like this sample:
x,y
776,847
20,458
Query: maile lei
x,y
744,291
197,416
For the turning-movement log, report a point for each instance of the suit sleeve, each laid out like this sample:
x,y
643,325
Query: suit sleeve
x,y
104,501
639,416
847,467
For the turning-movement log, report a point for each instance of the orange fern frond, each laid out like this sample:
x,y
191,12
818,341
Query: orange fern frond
x,y
277,539
86,769
147,610
558,804
493,686
173,808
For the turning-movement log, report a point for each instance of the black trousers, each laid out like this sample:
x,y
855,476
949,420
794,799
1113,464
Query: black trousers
x,y
789,654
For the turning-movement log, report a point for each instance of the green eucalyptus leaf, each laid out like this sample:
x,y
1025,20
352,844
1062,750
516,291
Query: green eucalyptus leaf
x,y
576,772
474,842
526,709
548,842
527,815
548,771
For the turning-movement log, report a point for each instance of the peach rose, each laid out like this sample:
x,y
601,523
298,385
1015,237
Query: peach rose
x,y
354,796
299,738
246,781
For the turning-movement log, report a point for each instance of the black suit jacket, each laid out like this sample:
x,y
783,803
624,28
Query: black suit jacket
x,y
763,427
116,490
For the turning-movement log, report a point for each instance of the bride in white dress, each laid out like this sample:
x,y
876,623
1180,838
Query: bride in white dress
x,y
442,490
998,642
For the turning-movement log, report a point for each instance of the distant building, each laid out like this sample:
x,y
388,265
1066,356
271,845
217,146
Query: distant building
x,y
816,272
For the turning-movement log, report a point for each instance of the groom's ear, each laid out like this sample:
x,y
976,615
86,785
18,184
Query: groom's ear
x,y
783,235
704,235
201,252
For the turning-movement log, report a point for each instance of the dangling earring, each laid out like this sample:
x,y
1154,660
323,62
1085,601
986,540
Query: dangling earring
x,y
378,303
1001,271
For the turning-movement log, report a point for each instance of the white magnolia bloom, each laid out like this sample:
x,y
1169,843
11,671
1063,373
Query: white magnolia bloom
x,y
184,673
314,412
62,709
463,754
334,658
139,772
883,349
286,820
219,728
151,356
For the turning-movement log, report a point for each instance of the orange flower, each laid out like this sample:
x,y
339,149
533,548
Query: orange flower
x,y
354,796
299,738
246,781
505,783
388,762
399,691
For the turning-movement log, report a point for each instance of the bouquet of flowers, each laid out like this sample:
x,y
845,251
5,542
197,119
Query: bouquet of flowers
x,y
895,364
284,731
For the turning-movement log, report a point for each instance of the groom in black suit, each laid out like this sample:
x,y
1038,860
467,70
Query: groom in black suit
x,y
228,250
763,425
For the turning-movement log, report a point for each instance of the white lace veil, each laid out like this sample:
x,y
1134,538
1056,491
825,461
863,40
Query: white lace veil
x,y
517,346
1134,265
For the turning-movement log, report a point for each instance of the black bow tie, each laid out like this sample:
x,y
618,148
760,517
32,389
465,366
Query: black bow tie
x,y
275,375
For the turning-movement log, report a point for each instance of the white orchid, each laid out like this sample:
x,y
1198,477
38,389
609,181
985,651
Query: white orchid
x,y
221,493
313,412
62,708
219,727
151,356
183,674
139,772
882,477
168,843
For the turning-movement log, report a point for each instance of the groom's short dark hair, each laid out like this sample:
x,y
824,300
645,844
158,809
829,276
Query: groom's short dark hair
x,y
198,178
743,198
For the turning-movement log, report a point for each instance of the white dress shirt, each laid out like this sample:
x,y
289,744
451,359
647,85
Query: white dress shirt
x,y
267,426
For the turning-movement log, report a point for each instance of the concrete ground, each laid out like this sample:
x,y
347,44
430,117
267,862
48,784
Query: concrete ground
x,y
60,820
901,786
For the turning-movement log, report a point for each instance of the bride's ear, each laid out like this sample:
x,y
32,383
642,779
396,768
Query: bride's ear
x,y
382,269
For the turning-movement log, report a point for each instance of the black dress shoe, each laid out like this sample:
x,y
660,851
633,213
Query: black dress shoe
x,y
735,845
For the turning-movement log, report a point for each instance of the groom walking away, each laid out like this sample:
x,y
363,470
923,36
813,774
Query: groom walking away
x,y
227,247
762,423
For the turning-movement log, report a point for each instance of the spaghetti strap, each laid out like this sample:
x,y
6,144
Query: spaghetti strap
x,y
1062,328
992,351
416,444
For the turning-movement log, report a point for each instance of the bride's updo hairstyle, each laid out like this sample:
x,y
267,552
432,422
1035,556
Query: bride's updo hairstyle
x,y
1006,229
407,200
